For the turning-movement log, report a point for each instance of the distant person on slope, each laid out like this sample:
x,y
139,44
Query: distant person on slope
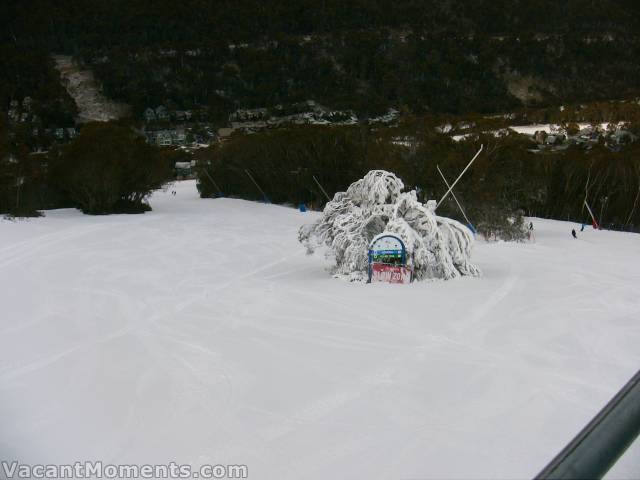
x,y
573,232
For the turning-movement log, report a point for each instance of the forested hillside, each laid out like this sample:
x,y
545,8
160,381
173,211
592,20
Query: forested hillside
x,y
421,56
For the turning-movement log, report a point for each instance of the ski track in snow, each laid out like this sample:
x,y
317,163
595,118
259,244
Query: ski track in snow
x,y
201,333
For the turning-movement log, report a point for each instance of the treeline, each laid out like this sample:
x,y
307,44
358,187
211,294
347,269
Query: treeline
x,y
421,57
108,168
32,74
505,179
368,72
71,24
372,71
284,163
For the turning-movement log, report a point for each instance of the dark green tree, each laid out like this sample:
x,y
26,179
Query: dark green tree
x,y
109,169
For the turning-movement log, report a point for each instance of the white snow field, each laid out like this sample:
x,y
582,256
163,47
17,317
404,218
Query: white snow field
x,y
201,333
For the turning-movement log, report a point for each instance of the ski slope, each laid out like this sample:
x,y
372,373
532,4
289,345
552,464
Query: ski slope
x,y
201,333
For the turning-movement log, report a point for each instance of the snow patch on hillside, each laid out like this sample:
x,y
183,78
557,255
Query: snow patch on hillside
x,y
92,105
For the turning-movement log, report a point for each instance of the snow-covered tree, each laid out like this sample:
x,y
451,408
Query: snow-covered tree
x,y
437,247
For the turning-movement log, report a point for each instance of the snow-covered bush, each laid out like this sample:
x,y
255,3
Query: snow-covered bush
x,y
437,247
496,223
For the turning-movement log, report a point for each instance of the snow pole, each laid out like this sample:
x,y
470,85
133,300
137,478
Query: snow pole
x,y
266,199
599,445
323,190
469,224
595,222
460,176
213,182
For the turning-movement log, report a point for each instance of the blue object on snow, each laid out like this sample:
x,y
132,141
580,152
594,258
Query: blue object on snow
x,y
302,207
472,228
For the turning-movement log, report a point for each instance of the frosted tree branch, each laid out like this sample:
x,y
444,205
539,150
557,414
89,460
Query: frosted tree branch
x,y
437,247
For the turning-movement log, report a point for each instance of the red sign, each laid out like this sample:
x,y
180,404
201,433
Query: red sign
x,y
381,272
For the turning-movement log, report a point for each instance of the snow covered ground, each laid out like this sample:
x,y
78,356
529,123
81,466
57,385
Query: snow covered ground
x,y
201,333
